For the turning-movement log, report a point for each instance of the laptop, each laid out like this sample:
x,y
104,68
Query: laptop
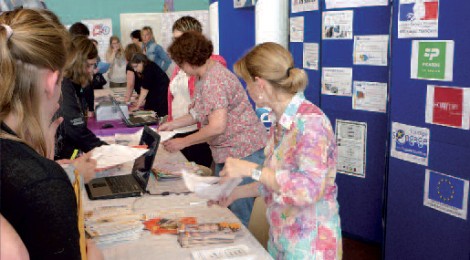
x,y
134,121
133,184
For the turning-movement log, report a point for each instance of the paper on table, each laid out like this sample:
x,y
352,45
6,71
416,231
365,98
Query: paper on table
x,y
167,135
208,187
237,252
114,154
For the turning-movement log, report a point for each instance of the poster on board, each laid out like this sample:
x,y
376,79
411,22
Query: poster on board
x,y
351,138
446,193
370,50
331,4
297,29
304,5
370,96
311,53
101,30
410,143
432,60
418,19
338,25
448,106
336,81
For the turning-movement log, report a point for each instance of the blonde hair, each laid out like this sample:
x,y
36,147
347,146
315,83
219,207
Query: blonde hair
x,y
186,24
273,63
119,52
38,42
149,29
81,50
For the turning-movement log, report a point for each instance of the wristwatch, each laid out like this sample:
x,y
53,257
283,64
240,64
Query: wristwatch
x,y
256,173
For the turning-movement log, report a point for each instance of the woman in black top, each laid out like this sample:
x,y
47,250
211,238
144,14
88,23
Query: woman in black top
x,y
74,133
134,80
154,89
37,197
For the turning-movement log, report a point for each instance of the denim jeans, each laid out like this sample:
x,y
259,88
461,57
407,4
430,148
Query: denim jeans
x,y
242,207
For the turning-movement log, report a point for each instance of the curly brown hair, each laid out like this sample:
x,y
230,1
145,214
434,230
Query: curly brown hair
x,y
192,48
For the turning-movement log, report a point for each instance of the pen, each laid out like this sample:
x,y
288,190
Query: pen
x,y
74,155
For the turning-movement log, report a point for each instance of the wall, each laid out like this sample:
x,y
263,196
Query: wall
x,y
71,11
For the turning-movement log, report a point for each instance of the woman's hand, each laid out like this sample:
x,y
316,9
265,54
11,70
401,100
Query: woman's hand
x,y
174,145
167,126
226,201
236,168
86,166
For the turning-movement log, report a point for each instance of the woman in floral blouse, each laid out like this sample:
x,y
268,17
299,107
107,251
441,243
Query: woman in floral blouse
x,y
297,179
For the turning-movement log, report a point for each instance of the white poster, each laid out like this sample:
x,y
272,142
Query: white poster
x,y
297,29
304,5
168,19
370,96
331,4
370,50
410,143
418,18
101,30
336,81
351,137
310,59
135,21
272,22
338,25
432,60
446,193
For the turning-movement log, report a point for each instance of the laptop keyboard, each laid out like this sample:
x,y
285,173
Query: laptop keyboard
x,y
121,184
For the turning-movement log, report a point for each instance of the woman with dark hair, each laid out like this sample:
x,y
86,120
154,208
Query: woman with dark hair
x,y
136,38
74,133
220,104
154,89
134,81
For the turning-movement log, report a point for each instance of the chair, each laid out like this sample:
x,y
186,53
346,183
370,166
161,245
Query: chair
x,y
258,224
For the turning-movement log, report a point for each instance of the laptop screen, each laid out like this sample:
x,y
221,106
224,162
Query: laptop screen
x,y
143,164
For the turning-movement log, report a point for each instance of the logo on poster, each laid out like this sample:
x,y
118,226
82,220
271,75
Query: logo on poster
x,y
100,29
431,53
412,143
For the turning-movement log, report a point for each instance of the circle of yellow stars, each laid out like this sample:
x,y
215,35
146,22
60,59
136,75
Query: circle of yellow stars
x,y
441,196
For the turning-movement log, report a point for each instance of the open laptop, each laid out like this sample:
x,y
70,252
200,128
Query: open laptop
x,y
133,121
130,185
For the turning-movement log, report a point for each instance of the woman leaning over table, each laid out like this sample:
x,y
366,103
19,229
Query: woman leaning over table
x,y
181,91
37,197
229,123
297,179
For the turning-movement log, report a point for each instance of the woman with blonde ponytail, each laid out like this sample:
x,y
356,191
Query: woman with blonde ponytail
x,y
297,179
37,198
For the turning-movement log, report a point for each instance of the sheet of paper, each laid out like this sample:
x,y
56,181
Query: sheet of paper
x,y
297,29
338,25
304,5
410,143
115,154
446,193
331,4
432,60
311,52
370,50
209,187
351,138
418,19
238,252
448,106
370,96
336,81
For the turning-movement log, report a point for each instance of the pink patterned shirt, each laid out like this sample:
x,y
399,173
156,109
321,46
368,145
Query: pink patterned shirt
x,y
245,134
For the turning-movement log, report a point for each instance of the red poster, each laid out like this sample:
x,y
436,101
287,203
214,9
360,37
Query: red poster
x,y
448,106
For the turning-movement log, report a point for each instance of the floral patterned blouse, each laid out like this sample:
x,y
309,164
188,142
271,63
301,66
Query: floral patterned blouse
x,y
303,215
244,134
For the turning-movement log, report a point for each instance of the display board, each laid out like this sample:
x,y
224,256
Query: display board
x,y
429,169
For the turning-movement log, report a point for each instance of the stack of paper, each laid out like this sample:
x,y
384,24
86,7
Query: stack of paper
x,y
209,187
113,224
232,252
207,234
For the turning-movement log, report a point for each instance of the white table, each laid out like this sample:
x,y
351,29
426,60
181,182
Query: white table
x,y
173,206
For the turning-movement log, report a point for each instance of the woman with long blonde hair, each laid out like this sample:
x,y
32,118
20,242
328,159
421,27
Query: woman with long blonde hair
x,y
37,197
117,68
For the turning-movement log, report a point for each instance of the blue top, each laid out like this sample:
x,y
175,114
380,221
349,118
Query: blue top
x,y
156,54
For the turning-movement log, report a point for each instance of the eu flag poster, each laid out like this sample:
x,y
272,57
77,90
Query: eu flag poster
x,y
446,193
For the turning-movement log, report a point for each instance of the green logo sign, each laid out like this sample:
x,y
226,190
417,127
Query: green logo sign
x,y
432,60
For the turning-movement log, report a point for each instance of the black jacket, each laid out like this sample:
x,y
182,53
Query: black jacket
x,y
73,133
